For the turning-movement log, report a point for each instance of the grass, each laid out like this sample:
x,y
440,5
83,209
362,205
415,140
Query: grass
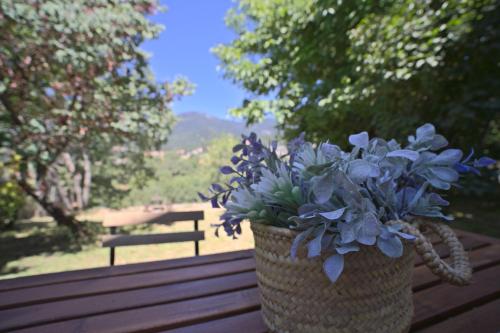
x,y
38,246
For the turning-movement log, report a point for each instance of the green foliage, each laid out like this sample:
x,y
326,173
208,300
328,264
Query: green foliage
x,y
11,197
329,67
179,178
174,181
218,150
11,201
74,86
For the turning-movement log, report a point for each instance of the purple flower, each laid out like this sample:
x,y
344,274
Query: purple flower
x,y
484,162
226,170
296,144
466,166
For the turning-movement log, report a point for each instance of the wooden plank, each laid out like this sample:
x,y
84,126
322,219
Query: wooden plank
x,y
474,244
92,305
222,306
250,322
438,303
49,279
96,273
156,217
481,319
130,240
480,259
160,317
170,217
44,294
489,239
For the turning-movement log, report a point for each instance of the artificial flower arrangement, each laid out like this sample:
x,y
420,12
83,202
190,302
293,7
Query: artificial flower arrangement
x,y
334,230
340,201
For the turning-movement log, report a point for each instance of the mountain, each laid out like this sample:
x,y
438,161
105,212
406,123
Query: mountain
x,y
196,129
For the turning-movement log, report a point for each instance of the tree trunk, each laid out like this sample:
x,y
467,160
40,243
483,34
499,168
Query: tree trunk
x,y
62,193
59,215
87,178
76,197
63,189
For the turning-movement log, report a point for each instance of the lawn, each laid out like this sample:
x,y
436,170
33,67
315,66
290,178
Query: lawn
x,y
38,246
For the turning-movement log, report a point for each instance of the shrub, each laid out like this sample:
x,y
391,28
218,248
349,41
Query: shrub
x,y
11,201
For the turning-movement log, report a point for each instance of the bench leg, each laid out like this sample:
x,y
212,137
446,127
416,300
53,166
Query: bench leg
x,y
112,249
111,256
196,243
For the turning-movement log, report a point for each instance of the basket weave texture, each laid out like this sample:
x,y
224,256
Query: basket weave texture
x,y
373,293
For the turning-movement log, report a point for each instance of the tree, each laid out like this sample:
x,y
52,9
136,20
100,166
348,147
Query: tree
x,y
331,68
178,178
218,152
75,89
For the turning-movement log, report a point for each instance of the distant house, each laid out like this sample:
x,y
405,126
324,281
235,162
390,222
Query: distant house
x,y
194,152
160,154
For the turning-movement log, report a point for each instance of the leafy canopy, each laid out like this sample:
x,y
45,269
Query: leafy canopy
x,y
74,84
332,67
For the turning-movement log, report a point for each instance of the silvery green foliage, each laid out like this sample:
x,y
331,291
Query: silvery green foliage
x,y
340,201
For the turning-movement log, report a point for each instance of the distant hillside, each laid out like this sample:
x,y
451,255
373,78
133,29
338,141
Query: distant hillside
x,y
196,129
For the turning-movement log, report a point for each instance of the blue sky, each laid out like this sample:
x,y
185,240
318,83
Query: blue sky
x,y
192,27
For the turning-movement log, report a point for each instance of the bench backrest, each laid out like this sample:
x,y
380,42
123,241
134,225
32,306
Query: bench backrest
x,y
115,240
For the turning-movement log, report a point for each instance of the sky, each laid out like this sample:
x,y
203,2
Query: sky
x,y
192,27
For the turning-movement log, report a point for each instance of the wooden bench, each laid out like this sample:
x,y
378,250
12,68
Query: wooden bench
x,y
114,240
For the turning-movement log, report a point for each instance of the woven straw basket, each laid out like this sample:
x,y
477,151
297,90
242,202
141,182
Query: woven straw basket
x,y
373,293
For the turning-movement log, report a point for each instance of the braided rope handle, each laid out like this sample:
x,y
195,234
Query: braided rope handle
x,y
459,272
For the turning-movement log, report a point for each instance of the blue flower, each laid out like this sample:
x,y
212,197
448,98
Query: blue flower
x,y
466,166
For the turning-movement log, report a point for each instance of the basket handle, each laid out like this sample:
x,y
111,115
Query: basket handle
x,y
459,271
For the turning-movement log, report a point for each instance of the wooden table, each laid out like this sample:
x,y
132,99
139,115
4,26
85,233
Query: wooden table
x,y
218,293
